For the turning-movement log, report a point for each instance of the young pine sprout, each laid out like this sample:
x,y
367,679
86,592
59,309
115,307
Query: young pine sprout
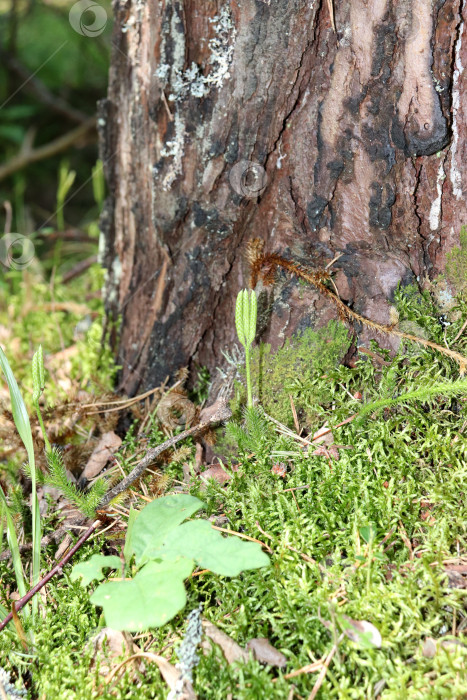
x,y
246,311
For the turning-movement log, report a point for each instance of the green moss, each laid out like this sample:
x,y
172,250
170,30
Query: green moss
x,y
402,471
295,370
456,263
28,319
418,313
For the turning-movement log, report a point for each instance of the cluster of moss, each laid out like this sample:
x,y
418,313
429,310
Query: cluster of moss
x,y
456,263
295,370
34,312
400,472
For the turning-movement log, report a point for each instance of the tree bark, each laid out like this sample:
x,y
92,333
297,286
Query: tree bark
x,y
231,120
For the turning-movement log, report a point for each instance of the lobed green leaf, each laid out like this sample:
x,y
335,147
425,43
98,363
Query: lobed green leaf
x,y
93,568
227,556
156,520
155,595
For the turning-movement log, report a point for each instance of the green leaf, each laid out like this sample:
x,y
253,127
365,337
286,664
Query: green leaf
x,y
252,316
12,132
18,408
239,317
21,419
246,315
13,544
37,374
93,568
367,532
227,556
18,112
156,520
155,595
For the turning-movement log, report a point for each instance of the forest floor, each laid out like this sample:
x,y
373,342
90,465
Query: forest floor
x,y
365,528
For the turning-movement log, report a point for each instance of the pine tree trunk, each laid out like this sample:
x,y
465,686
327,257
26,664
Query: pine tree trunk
x,y
232,120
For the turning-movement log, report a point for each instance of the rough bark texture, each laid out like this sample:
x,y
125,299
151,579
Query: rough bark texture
x,y
361,134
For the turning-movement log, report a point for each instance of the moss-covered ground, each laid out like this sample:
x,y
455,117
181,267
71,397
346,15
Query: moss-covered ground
x,y
373,530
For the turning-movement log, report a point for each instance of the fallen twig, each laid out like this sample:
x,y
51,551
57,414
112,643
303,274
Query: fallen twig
x,y
216,413
57,569
58,145
263,266
79,268
36,87
309,668
464,326
322,675
221,413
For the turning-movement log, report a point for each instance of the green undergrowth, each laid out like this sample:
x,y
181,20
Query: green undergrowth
x,y
456,263
367,532
294,370
34,311
403,474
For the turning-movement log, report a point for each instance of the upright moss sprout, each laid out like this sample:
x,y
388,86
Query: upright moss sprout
x,y
246,311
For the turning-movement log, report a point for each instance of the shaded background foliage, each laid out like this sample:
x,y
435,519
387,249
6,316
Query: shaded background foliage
x,y
50,80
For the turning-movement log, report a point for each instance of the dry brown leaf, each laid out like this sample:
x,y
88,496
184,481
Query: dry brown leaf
x,y
279,469
432,646
331,452
361,631
198,455
264,652
231,650
429,648
219,409
59,366
216,472
108,645
188,472
105,448
323,436
455,579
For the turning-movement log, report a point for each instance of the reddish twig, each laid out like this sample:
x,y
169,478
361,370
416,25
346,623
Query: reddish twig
x,y
78,269
57,569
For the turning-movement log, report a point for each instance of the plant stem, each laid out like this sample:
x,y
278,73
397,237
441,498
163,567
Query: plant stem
x,y
41,423
368,571
248,377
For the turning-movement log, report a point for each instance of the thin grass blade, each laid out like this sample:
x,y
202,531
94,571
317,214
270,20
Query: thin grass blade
x,y
13,544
